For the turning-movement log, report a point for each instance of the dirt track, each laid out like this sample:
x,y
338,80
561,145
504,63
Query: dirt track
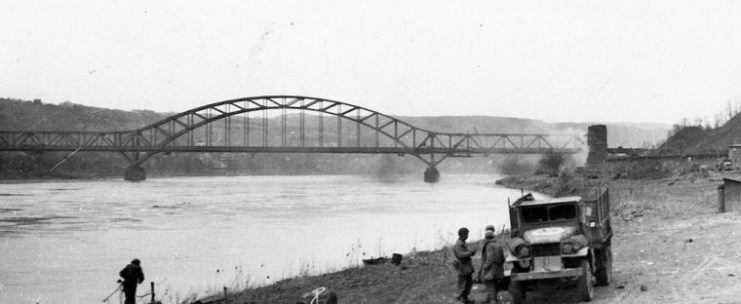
x,y
670,246
692,260
695,260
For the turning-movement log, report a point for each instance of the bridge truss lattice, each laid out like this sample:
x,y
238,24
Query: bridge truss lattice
x,y
307,125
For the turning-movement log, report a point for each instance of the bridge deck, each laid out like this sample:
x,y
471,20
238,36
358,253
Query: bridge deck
x,y
249,149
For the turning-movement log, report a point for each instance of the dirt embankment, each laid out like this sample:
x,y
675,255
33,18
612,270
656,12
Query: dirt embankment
x,y
670,246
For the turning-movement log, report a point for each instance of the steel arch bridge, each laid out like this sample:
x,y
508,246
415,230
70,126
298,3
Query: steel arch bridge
x,y
242,125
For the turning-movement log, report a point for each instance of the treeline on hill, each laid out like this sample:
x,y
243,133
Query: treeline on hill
x,y
703,136
19,115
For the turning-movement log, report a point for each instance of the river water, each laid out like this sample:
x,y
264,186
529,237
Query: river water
x,y
64,242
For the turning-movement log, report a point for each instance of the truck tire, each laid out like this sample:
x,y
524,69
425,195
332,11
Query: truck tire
x,y
586,290
517,292
603,274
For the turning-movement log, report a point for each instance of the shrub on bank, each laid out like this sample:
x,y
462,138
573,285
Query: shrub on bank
x,y
551,163
644,169
515,165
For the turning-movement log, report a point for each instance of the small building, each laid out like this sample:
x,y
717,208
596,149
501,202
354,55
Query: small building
x,y
734,153
729,195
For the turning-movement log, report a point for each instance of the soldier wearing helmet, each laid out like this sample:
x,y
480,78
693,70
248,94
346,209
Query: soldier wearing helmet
x,y
464,266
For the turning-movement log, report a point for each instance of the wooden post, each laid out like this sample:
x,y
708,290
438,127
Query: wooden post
x,y
721,199
225,298
152,290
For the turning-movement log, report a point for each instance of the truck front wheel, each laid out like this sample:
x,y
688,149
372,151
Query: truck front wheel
x,y
586,290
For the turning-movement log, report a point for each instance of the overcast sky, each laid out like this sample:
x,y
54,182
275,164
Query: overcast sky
x,y
636,61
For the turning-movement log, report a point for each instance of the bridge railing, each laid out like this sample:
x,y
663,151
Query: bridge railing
x,y
440,143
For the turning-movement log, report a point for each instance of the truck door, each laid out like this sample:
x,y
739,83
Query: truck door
x,y
603,203
591,221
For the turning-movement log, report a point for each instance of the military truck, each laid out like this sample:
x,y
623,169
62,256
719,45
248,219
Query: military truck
x,y
559,239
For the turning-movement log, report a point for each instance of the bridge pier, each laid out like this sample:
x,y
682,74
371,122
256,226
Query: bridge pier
x,y
432,175
135,173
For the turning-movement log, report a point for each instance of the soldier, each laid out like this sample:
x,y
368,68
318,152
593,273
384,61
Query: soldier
x,y
483,251
132,275
492,266
464,266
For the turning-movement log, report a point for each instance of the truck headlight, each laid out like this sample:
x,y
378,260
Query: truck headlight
x,y
518,247
523,251
567,248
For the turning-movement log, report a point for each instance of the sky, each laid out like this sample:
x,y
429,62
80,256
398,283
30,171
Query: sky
x,y
586,61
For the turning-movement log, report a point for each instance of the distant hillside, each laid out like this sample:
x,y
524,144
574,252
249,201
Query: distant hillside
x,y
633,135
698,140
684,141
19,115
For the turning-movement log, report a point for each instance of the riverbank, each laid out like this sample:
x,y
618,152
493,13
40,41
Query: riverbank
x,y
670,246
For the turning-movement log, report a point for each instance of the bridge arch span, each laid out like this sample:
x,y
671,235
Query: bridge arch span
x,y
180,124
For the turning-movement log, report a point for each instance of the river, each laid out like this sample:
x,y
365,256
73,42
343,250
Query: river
x,y
65,241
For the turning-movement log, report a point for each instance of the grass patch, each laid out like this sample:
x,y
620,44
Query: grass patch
x,y
664,198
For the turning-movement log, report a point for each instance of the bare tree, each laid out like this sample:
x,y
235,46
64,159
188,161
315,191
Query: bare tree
x,y
698,121
684,122
719,120
729,108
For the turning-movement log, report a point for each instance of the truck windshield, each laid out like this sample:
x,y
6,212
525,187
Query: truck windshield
x,y
538,214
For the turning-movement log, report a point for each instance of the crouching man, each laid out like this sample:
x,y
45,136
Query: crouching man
x,y
132,275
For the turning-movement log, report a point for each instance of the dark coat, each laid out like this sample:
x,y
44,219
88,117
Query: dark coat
x,y
132,275
463,256
492,262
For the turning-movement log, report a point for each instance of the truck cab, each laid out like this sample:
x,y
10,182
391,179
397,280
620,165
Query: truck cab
x,y
565,238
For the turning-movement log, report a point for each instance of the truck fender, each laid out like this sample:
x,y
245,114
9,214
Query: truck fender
x,y
581,253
